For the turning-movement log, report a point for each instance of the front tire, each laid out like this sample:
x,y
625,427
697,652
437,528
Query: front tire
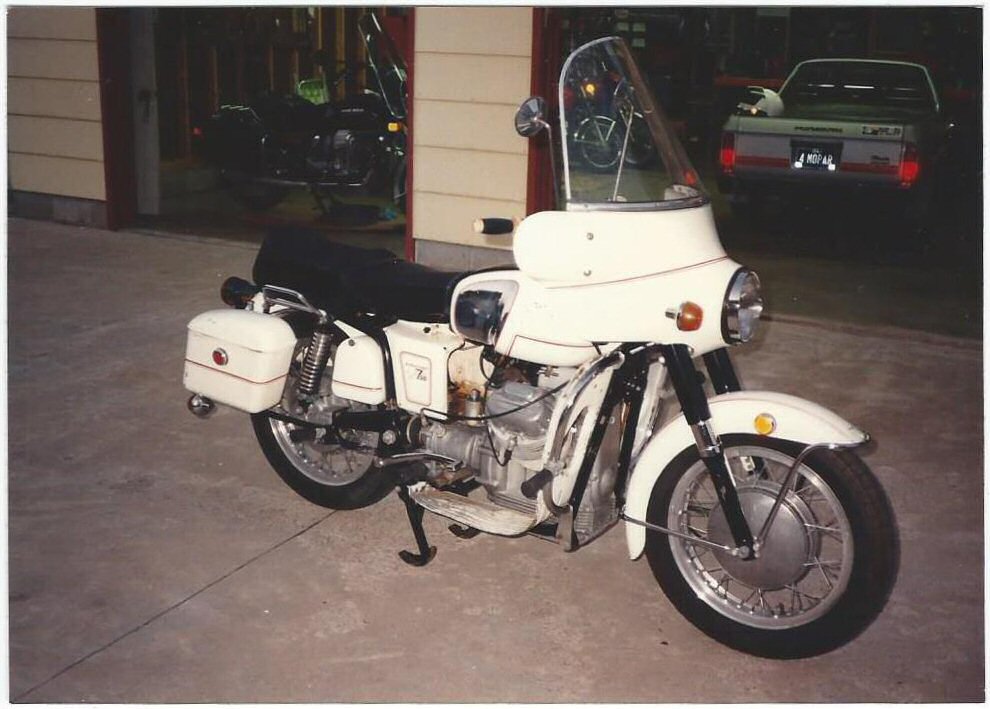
x,y
827,566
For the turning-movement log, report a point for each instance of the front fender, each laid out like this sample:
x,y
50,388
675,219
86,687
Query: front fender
x,y
797,420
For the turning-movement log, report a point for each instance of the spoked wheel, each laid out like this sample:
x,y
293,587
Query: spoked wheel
x,y
338,473
599,142
640,152
826,566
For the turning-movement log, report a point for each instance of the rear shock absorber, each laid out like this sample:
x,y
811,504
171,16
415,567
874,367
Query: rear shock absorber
x,y
316,359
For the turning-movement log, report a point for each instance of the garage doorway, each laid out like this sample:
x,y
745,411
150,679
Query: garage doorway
x,y
188,62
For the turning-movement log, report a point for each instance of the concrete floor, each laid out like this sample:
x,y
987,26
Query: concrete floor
x,y
156,558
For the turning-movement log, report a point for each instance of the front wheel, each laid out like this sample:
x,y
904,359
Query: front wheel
x,y
826,567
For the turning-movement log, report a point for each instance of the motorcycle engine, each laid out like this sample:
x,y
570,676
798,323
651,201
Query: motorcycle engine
x,y
506,450
346,156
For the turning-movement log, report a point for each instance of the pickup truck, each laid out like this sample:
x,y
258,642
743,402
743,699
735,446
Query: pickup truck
x,y
837,125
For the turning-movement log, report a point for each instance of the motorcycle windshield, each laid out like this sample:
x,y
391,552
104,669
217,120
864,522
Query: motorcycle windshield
x,y
385,63
619,150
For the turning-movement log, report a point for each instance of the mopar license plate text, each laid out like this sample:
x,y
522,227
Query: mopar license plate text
x,y
815,156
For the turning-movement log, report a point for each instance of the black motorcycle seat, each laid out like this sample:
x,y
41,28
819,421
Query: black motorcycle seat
x,y
344,280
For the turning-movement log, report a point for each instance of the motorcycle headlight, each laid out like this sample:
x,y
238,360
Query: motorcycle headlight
x,y
742,308
480,313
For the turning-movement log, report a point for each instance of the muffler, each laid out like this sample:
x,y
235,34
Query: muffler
x,y
200,406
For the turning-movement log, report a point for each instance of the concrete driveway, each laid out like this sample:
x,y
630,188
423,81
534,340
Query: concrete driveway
x,y
156,558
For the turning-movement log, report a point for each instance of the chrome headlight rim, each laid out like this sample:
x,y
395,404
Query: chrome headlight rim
x,y
741,309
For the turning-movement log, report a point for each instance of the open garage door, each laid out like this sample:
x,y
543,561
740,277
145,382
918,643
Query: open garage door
x,y
313,95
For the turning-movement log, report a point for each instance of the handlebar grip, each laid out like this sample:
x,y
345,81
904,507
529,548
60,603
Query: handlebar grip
x,y
493,225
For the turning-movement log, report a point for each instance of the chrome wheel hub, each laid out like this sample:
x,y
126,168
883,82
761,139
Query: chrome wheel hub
x,y
804,564
331,463
781,559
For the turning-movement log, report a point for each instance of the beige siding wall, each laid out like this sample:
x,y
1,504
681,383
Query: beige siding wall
x,y
472,70
54,129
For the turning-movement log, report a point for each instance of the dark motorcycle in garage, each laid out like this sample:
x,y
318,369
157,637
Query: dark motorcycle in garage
x,y
597,138
560,396
277,143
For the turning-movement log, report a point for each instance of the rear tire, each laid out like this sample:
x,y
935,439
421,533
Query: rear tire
x,y
327,474
827,566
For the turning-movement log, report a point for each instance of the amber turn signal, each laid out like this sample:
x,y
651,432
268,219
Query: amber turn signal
x,y
765,424
689,316
394,127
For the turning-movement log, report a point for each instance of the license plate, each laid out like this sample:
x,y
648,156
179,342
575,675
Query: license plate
x,y
815,156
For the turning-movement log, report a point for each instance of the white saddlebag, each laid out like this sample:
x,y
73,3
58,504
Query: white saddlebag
x,y
238,358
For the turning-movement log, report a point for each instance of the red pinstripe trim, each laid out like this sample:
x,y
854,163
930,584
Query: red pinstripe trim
x,y
356,386
783,163
228,374
640,278
759,161
545,342
869,167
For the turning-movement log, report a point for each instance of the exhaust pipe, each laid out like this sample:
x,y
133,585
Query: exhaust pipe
x,y
200,406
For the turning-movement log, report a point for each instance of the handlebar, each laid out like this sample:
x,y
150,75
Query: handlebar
x,y
494,225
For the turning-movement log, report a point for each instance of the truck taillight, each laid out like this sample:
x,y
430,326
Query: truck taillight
x,y
727,154
910,166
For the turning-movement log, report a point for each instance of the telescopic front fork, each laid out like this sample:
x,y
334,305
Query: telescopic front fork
x,y
689,387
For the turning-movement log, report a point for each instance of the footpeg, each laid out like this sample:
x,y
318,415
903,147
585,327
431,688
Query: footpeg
x,y
462,532
474,514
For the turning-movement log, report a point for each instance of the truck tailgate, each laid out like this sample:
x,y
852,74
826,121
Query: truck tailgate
x,y
818,150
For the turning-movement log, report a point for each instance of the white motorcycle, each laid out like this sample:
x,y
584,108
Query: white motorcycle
x,y
530,399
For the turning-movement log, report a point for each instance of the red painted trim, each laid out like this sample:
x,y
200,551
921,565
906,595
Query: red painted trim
x,y
869,168
410,243
536,72
758,161
235,376
113,48
544,71
783,163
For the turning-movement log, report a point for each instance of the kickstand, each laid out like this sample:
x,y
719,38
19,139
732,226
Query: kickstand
x,y
415,512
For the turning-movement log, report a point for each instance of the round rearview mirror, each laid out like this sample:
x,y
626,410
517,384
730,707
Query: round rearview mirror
x,y
529,117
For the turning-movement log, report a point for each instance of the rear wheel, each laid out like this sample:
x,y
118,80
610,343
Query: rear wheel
x,y
340,474
825,570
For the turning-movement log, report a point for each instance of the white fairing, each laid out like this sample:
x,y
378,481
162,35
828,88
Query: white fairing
x,y
571,249
254,350
797,420
594,277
